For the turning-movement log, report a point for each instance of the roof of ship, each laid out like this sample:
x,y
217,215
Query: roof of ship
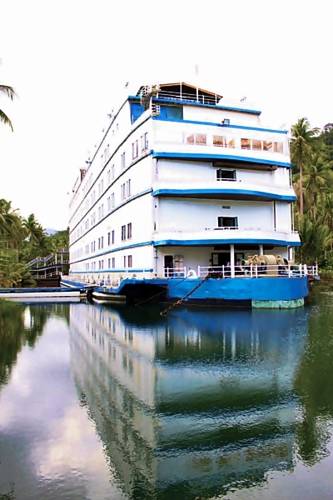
x,y
183,86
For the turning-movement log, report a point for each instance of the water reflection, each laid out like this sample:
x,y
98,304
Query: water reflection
x,y
48,447
21,325
196,405
191,405
313,383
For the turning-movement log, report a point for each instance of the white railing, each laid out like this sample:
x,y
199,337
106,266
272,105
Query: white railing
x,y
175,272
183,96
247,271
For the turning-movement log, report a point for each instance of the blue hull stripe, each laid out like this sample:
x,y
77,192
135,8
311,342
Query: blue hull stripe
x,y
227,241
238,192
212,157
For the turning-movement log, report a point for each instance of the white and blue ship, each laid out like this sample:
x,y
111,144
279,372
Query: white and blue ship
x,y
191,195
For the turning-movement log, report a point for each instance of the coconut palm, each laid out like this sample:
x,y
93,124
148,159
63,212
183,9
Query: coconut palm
x,y
10,93
317,182
35,232
301,144
11,230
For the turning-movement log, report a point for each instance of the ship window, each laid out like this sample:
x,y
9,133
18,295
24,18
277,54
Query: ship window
x,y
201,139
112,236
109,239
227,222
129,230
124,260
225,175
123,191
268,145
135,150
129,261
109,263
123,233
278,147
189,139
145,140
128,188
256,145
231,143
245,143
123,160
220,141
113,262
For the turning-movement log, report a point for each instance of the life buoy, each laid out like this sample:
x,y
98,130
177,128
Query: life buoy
x,y
191,274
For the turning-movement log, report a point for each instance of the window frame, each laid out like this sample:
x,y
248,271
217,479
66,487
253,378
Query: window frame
x,y
220,225
129,230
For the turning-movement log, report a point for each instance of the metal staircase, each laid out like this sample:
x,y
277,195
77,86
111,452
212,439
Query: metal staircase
x,y
50,266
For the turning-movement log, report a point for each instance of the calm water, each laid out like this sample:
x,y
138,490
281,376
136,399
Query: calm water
x,y
104,403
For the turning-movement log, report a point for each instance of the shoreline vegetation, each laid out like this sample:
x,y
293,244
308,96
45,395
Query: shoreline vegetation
x,y
22,240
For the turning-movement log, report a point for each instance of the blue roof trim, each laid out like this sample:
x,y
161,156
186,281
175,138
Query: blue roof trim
x,y
208,156
199,104
188,192
219,124
253,241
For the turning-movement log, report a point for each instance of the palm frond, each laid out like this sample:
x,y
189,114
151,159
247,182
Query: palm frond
x,y
8,91
5,119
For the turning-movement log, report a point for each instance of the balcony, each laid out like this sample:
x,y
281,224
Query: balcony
x,y
216,141
226,235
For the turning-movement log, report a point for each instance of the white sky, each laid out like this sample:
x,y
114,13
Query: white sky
x,y
69,59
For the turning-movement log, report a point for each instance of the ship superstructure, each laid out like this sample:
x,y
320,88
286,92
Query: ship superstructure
x,y
182,185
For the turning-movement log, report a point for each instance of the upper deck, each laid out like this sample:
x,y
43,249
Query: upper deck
x,y
183,122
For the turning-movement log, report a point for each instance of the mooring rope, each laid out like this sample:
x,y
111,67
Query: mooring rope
x,y
180,301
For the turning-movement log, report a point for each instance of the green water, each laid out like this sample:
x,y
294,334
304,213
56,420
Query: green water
x,y
105,403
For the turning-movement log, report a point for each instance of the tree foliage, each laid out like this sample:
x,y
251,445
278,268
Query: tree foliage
x,y
312,156
9,92
21,240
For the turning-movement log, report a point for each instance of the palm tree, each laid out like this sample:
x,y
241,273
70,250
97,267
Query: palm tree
x,y
318,182
10,93
11,229
301,147
34,230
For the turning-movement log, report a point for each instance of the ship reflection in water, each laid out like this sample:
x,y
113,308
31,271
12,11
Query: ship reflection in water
x,y
192,405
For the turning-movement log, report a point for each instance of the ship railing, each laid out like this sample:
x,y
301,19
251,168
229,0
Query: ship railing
x,y
175,272
247,271
257,271
184,96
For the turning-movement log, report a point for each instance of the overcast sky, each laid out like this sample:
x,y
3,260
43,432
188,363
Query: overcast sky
x,y
69,60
